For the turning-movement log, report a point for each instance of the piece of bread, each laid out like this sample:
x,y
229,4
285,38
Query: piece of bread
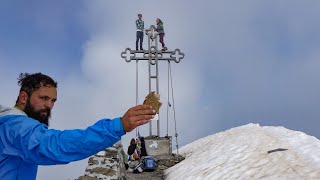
x,y
152,99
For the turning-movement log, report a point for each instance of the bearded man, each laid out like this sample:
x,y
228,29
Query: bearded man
x,y
26,141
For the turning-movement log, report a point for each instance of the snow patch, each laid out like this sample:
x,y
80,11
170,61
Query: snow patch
x,y
242,153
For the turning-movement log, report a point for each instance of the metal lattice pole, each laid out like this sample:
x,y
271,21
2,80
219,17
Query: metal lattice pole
x,y
153,56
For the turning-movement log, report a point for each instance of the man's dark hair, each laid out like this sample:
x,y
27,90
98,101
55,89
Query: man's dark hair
x,y
32,82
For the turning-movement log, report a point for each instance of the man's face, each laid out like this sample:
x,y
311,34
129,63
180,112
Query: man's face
x,y
40,103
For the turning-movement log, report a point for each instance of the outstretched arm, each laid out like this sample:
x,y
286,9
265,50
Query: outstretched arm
x,y
35,143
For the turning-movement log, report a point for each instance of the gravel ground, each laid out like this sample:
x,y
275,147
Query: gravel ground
x,y
163,163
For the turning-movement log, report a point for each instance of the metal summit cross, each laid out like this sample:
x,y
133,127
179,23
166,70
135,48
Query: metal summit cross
x,y
153,56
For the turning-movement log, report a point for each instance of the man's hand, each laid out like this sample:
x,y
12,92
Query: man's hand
x,y
137,116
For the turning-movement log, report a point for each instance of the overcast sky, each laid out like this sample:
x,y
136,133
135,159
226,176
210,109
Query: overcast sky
x,y
246,62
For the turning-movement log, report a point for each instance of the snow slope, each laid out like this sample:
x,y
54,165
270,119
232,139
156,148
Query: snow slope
x,y
242,153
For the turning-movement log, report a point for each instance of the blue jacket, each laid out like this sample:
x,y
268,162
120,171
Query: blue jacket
x,y
25,143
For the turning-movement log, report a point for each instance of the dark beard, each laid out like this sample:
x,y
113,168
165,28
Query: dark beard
x,y
29,110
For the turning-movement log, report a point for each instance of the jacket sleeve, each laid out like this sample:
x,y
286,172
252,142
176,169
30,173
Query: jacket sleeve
x,y
35,143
